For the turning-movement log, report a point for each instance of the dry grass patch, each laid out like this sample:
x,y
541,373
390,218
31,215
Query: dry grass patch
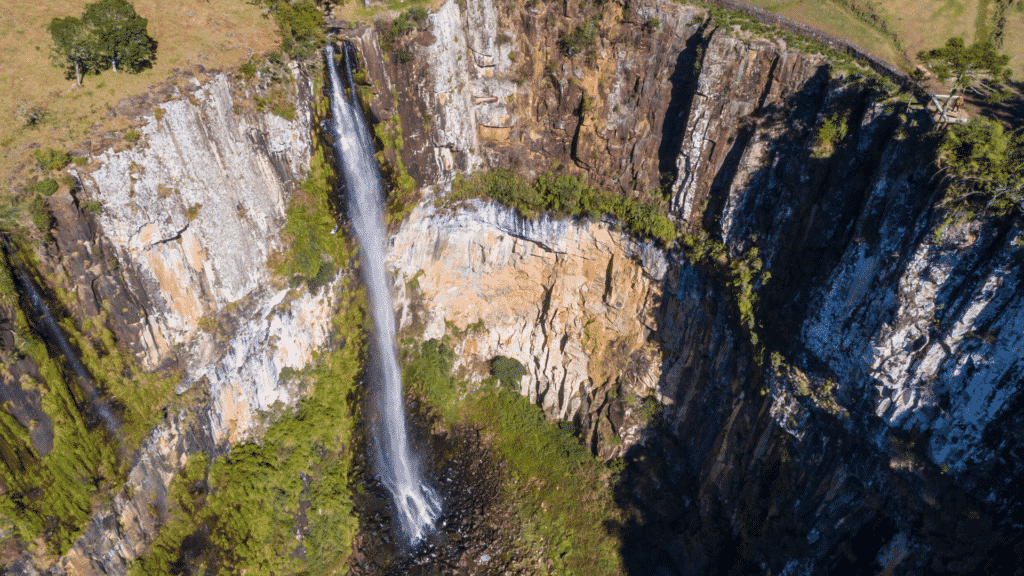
x,y
356,11
218,34
917,26
837,20
1013,42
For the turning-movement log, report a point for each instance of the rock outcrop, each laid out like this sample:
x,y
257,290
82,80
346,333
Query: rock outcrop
x,y
884,392
176,262
574,302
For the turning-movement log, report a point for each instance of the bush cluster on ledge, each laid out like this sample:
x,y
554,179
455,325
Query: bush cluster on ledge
x,y
567,195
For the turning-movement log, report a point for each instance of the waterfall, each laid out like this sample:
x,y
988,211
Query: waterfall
x,y
416,504
55,335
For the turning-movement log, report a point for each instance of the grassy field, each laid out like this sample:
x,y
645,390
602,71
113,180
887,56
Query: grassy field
x,y
212,33
897,29
1013,41
355,11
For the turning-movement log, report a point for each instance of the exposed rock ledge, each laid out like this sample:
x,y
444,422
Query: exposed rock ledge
x,y
572,301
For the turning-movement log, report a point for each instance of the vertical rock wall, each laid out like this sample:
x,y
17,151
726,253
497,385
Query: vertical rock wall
x,y
885,391
177,264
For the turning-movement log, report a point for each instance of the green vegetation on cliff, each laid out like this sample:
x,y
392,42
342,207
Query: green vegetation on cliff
x,y
240,513
985,167
744,274
557,487
314,255
390,139
390,30
565,195
52,494
299,24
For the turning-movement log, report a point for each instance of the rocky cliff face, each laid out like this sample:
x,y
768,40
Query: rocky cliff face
x,y
176,265
577,304
874,425
878,413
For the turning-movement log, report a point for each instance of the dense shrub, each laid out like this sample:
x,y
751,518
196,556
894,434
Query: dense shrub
x,y
567,195
248,69
45,187
505,186
430,373
313,257
299,26
390,30
508,371
557,486
831,132
985,165
403,56
51,159
40,213
581,39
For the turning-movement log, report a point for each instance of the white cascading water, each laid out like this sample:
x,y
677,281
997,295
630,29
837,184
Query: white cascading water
x,y
416,504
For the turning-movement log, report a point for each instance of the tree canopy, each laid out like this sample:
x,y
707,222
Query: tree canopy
x,y
986,164
120,33
978,66
109,33
73,46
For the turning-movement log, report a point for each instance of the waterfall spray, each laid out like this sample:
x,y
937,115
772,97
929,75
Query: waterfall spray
x,y
416,504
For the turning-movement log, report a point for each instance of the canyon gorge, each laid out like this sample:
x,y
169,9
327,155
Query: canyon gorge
x,y
825,375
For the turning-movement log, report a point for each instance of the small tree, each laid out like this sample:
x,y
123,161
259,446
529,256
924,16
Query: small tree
x,y
74,47
109,31
984,163
120,33
977,67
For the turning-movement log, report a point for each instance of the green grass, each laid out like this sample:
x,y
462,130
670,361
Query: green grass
x,y
896,31
53,495
558,487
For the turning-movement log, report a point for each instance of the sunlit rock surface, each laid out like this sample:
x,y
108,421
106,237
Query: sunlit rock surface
x,y
191,215
574,302
197,205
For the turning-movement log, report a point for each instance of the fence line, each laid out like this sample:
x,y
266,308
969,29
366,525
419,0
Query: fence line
x,y
877,64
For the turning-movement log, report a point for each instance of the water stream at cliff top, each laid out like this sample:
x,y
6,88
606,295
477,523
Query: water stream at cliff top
x,y
416,503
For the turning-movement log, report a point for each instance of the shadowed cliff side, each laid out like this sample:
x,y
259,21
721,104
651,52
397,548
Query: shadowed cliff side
x,y
870,424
